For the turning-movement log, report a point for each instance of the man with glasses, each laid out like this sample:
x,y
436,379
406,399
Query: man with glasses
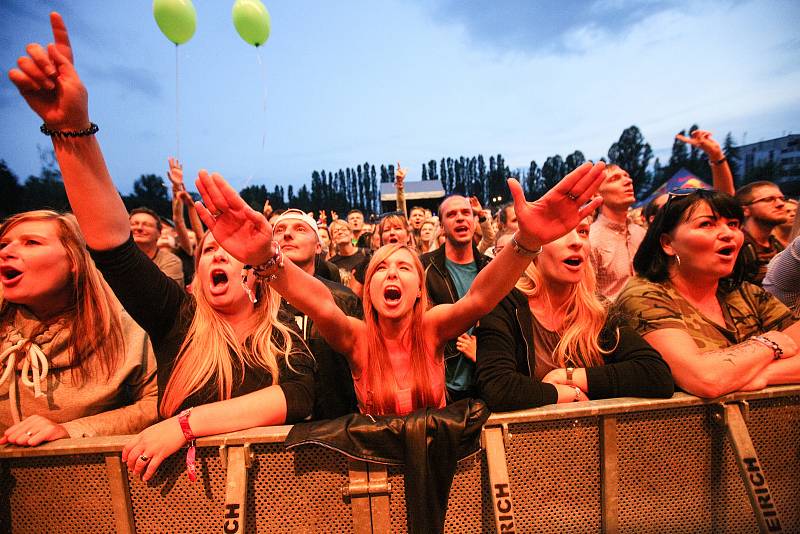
x,y
146,229
764,208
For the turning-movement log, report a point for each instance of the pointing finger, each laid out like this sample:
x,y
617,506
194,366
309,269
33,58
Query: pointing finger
x,y
61,36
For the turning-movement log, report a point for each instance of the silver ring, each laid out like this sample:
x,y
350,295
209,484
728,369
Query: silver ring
x,y
144,458
571,196
29,433
217,213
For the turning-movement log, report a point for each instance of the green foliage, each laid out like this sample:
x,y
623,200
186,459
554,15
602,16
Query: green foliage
x,y
633,154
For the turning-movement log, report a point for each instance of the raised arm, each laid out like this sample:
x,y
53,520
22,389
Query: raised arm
x,y
51,86
400,188
550,217
721,176
247,235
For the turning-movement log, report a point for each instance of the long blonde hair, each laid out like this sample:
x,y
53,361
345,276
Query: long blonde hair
x,y
211,347
584,317
95,341
381,383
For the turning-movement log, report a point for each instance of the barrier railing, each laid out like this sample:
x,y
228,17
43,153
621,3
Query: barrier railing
x,y
618,465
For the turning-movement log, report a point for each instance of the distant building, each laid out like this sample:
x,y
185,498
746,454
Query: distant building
x,y
426,194
784,150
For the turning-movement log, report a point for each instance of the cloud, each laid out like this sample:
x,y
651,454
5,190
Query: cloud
x,y
131,79
566,27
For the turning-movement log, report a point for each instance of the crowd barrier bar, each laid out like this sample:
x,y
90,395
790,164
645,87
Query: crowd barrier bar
x,y
607,465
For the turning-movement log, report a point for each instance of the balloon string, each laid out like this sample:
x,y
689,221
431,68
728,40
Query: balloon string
x,y
177,108
264,99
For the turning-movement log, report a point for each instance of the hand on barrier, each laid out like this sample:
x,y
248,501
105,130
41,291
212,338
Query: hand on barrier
x,y
32,431
787,344
145,451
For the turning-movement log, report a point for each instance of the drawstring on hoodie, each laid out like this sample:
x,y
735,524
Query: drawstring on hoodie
x,y
34,369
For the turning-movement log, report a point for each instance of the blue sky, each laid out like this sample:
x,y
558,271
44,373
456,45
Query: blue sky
x,y
387,80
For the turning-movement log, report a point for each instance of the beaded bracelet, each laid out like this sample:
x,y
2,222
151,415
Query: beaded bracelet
x,y
777,351
91,130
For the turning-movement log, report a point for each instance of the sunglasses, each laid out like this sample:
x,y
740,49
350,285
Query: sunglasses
x,y
686,191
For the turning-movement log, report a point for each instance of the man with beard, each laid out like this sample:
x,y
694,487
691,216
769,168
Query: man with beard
x,y
298,236
764,208
449,272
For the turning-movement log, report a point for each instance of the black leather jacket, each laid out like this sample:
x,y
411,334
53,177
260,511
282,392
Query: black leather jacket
x,y
441,289
428,443
333,384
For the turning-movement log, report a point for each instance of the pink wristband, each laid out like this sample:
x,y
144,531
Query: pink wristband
x,y
183,420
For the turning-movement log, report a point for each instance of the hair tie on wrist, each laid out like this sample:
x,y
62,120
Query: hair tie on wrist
x,y
91,130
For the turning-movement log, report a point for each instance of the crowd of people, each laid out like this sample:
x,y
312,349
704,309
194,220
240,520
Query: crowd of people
x,y
118,323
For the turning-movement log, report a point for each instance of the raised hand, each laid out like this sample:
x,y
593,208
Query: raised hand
x,y
560,209
239,229
175,174
267,209
702,139
49,83
399,175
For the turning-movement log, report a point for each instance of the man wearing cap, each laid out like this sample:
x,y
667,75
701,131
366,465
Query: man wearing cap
x,y
299,239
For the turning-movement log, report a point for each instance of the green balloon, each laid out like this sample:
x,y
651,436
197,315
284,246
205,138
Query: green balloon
x,y
176,19
251,20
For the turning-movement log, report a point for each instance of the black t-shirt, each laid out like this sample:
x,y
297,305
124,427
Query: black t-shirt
x,y
357,262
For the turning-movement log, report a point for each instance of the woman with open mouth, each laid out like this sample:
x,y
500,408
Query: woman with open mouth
x,y
396,353
72,362
222,343
717,333
552,340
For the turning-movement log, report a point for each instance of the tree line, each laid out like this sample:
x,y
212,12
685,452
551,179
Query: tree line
x,y
359,186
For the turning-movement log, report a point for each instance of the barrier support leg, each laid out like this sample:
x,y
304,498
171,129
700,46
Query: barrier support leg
x,y
609,475
117,474
502,504
755,481
379,500
235,514
357,492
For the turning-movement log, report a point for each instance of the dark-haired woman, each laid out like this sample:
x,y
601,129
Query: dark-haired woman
x,y
718,334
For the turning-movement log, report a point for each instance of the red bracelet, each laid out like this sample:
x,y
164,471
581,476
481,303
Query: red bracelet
x,y
183,420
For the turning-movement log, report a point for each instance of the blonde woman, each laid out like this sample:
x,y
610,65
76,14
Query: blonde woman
x,y
552,340
72,363
396,352
221,342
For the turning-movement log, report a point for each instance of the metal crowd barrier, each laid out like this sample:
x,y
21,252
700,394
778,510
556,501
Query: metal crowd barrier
x,y
621,465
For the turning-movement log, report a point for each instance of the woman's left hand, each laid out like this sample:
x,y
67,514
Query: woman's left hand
x,y
32,431
560,209
145,452
468,345
242,231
